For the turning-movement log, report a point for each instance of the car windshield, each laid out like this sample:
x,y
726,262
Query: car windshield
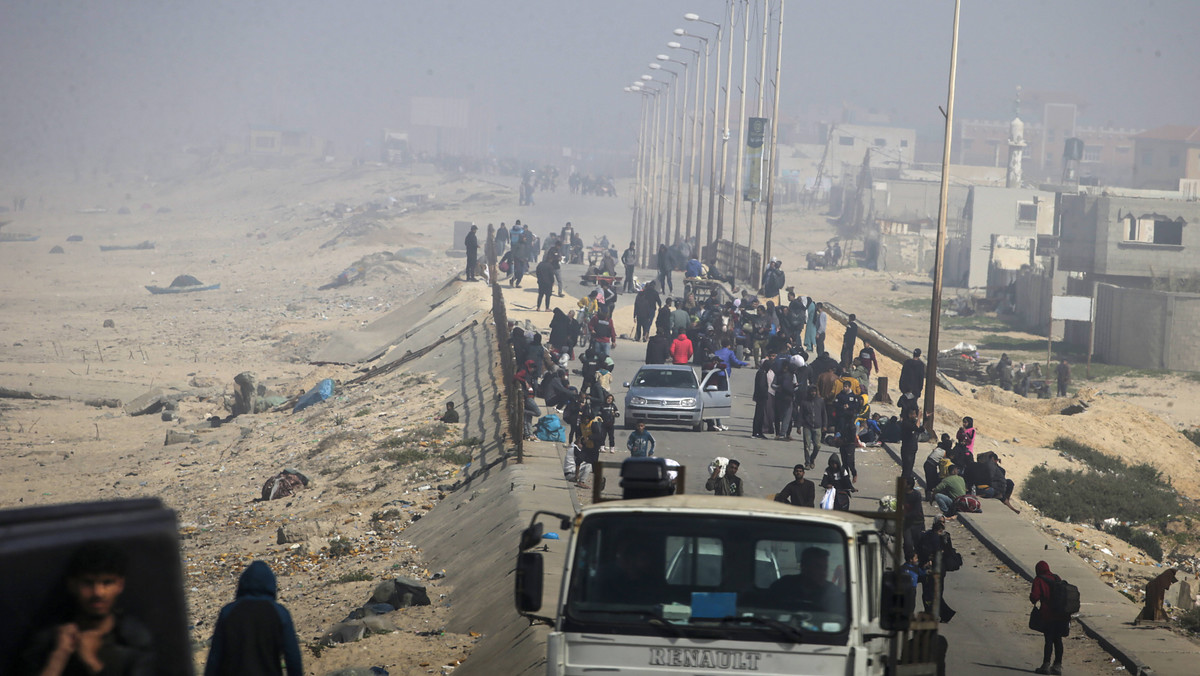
x,y
670,378
675,574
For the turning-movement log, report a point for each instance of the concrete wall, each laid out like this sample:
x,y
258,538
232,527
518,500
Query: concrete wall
x,y
908,252
994,211
1148,329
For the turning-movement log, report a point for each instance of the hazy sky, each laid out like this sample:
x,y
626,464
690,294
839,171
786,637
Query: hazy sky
x,y
96,77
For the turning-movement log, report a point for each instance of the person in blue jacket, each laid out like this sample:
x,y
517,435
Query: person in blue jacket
x,y
254,632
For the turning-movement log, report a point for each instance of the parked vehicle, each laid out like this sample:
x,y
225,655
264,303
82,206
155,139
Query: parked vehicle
x,y
671,394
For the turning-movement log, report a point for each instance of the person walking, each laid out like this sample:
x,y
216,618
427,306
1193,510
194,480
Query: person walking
x,y
848,341
729,484
545,281
471,244
910,430
838,478
762,385
640,442
1053,625
799,492
820,322
681,349
912,375
812,422
1063,375
629,260
255,632
645,305
664,270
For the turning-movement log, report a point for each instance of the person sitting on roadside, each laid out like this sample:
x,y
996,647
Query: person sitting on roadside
x,y
950,489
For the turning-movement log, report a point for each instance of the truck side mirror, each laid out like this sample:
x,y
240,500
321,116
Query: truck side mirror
x,y
896,590
529,582
531,536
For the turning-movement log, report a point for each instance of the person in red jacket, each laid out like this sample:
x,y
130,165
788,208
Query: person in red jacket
x,y
1055,626
681,349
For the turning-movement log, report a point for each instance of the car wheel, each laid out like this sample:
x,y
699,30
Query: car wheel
x,y
698,427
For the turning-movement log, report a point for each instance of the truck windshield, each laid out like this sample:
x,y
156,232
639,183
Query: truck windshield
x,y
682,574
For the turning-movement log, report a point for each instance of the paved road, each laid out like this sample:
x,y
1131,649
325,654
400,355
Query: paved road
x,y
989,634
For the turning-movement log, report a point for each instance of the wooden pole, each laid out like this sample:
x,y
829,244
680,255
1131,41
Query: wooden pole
x,y
935,311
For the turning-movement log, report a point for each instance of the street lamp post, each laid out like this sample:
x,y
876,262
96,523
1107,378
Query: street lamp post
x,y
697,115
712,165
668,166
677,188
698,142
642,168
741,154
771,163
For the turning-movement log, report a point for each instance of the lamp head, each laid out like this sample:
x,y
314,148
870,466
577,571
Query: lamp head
x,y
674,45
679,31
663,57
691,17
655,66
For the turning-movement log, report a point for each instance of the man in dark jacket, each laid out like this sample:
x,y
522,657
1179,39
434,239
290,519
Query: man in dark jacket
x,y
910,430
658,349
629,260
848,340
912,375
254,632
799,492
645,304
471,243
812,422
761,391
785,397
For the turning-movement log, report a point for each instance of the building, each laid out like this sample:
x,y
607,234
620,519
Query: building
x,y
998,235
1164,155
272,140
1135,253
1130,238
848,144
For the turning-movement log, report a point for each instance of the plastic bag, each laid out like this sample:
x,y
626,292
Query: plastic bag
x,y
830,496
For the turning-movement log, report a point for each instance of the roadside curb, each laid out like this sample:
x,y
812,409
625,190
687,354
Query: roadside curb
x,y
1128,658
1132,662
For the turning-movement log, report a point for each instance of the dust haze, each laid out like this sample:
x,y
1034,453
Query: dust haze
x,y
94,87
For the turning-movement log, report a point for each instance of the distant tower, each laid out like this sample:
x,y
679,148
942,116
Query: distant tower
x,y
1016,145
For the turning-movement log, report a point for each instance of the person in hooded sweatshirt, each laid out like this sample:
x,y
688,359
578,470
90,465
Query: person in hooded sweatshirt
x,y
255,632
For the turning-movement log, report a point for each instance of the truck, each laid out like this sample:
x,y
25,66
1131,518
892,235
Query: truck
x,y
666,583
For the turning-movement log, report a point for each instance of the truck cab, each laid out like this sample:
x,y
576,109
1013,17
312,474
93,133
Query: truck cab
x,y
705,584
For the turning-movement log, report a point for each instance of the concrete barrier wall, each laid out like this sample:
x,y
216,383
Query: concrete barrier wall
x,y
1148,329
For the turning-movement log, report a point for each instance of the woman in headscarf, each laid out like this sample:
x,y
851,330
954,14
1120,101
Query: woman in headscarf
x,y
1054,626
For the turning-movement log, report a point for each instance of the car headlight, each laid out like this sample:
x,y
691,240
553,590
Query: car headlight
x,y
687,403
637,401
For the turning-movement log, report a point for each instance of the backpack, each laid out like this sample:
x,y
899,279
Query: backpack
x,y
969,504
1064,597
549,428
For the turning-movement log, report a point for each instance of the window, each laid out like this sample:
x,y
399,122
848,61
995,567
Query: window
x,y
846,140
1147,158
1122,150
880,142
1027,212
903,143
1092,153
1154,230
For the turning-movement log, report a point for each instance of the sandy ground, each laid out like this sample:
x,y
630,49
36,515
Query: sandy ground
x,y
270,236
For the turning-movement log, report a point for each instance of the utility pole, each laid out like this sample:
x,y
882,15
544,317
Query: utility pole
x,y
771,158
741,154
725,121
939,259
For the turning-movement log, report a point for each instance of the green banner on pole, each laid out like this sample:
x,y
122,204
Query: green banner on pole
x,y
756,134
